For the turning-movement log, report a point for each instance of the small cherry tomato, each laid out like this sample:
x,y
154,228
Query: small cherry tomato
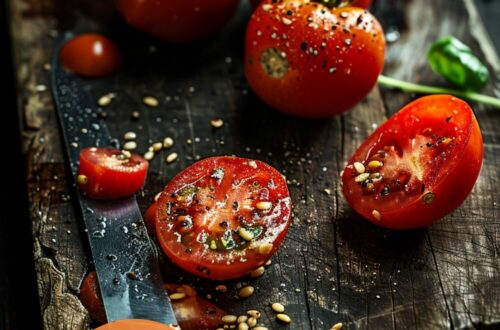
x,y
222,217
418,166
191,312
91,55
308,60
110,174
178,21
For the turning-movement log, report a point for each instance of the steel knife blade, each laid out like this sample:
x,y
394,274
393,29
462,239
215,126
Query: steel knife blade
x,y
127,268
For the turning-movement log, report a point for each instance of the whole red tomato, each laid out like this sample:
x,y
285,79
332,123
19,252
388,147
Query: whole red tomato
x,y
418,166
308,60
91,55
353,3
178,21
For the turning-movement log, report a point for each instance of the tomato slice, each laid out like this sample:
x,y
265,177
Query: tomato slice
x,y
91,55
150,218
191,312
222,217
418,166
109,173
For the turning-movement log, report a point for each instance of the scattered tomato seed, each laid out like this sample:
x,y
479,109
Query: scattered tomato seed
x,y
257,272
245,234
283,318
216,122
150,101
243,326
264,205
337,326
168,142
106,99
246,291
278,308
130,145
242,318
375,164
172,157
129,136
376,214
362,177
157,146
265,248
149,155
252,321
221,288
229,319
254,313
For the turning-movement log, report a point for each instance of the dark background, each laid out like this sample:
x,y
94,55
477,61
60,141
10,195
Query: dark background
x,y
19,307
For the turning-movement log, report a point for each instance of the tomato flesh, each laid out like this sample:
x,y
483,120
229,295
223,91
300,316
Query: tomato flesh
x,y
223,217
418,166
110,174
311,61
91,55
178,21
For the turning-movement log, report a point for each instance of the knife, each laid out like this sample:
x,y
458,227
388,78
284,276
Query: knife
x,y
127,270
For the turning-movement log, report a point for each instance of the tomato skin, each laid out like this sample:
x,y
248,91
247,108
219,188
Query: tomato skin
x,y
192,312
310,61
150,218
178,21
108,177
91,55
91,297
209,220
449,160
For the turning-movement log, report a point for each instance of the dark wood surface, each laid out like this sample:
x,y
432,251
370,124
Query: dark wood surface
x,y
334,266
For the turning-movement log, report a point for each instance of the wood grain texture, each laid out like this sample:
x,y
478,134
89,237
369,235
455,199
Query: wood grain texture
x,y
334,266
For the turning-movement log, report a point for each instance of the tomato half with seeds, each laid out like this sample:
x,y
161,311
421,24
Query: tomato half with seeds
x,y
418,166
178,21
222,217
309,60
110,173
91,55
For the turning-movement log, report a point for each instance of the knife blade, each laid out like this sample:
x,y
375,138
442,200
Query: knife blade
x,y
128,273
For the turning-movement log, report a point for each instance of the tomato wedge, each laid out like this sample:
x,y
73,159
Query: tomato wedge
x,y
418,166
110,174
222,217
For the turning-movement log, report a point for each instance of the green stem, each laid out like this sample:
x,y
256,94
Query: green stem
x,y
423,89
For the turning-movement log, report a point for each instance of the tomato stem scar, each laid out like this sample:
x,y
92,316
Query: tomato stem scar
x,y
425,89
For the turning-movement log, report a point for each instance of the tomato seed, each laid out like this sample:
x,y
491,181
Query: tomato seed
x,y
106,99
337,326
221,288
376,214
258,272
284,318
268,262
252,321
229,319
242,318
362,177
374,164
150,101
216,123
168,142
135,115
172,157
245,234
429,198
149,155
253,314
157,146
246,291
243,326
129,136
278,308
360,168
264,205
265,248
267,7
177,296
82,179
286,21
260,328
130,145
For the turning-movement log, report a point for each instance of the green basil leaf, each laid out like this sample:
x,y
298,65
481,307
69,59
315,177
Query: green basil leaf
x,y
455,61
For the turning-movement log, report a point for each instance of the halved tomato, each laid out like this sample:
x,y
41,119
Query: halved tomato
x,y
418,166
222,217
109,173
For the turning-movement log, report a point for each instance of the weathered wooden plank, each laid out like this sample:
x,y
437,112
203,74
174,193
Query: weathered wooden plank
x,y
334,266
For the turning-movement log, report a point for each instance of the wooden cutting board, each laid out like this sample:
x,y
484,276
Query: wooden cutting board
x,y
334,266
